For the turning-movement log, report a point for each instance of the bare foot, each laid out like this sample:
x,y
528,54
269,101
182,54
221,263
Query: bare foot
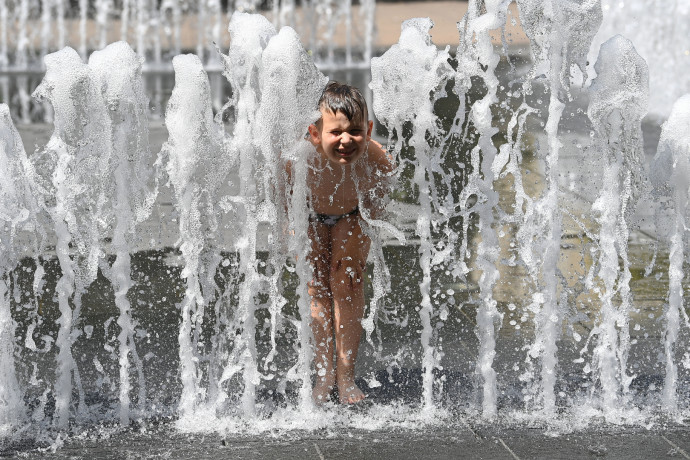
x,y
350,393
321,393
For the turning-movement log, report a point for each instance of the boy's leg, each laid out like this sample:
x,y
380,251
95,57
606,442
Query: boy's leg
x,y
349,251
321,311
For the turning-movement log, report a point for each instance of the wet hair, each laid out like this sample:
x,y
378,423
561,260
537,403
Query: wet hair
x,y
346,99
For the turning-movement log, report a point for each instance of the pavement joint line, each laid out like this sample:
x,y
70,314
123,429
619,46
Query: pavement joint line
x,y
318,451
508,449
678,449
469,428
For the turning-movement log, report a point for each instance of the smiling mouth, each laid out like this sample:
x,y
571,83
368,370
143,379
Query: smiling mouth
x,y
345,153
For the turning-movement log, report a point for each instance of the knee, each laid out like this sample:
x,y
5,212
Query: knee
x,y
321,316
347,274
319,289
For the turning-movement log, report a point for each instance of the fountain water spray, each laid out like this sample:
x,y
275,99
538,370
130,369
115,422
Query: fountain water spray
x,y
659,31
171,19
4,17
670,174
117,72
269,117
476,40
157,31
618,101
95,172
103,8
196,168
560,35
398,71
290,89
77,159
148,25
18,214
251,35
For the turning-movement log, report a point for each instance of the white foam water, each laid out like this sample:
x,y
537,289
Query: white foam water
x,y
618,102
660,32
117,73
669,174
18,212
560,34
398,71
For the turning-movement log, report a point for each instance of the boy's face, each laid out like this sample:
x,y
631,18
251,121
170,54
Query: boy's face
x,y
340,140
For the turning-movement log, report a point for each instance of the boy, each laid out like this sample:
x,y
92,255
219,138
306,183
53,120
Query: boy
x,y
348,179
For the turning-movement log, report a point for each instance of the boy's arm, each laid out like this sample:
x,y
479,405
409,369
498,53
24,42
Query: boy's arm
x,y
380,180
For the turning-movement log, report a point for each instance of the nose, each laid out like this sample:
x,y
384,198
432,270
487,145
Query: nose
x,y
345,138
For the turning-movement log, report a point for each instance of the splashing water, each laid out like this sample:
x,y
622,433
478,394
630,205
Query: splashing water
x,y
269,117
395,72
101,176
132,193
658,30
79,153
196,170
239,271
617,104
488,317
18,212
570,28
670,172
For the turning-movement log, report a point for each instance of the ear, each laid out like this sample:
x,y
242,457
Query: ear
x,y
370,127
314,134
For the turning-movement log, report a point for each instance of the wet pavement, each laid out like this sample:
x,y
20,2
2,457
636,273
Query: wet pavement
x,y
454,441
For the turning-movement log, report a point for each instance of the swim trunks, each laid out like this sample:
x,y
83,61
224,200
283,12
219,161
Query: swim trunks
x,y
330,219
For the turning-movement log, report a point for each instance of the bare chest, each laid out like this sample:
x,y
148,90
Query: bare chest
x,y
333,190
